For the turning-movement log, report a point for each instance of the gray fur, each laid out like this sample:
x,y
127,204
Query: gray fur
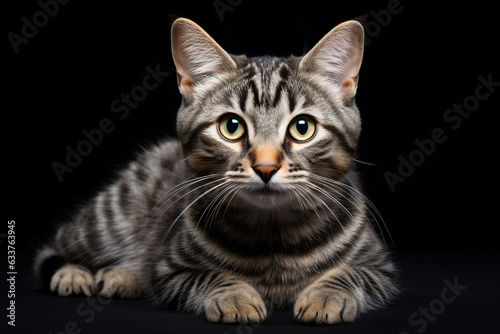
x,y
191,224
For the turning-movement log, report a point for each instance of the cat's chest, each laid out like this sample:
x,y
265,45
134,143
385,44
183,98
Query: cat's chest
x,y
279,270
280,284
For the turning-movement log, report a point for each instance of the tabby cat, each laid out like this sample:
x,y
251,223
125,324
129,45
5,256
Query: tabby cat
x,y
256,206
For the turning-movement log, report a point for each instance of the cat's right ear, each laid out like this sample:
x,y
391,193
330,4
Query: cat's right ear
x,y
197,56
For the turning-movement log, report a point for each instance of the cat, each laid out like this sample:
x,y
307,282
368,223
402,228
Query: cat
x,y
255,206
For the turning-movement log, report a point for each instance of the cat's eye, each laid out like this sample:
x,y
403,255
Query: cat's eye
x,y
232,127
302,128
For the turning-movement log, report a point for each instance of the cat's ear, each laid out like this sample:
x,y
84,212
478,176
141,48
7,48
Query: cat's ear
x,y
196,55
338,56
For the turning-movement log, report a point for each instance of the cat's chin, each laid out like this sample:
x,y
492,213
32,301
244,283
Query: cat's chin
x,y
266,197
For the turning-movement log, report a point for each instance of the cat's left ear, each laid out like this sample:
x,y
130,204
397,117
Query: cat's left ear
x,y
197,56
338,56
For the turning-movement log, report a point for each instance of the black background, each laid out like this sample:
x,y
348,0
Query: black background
x,y
417,65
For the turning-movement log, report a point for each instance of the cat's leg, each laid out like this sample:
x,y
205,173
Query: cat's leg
x,y
71,266
64,278
221,297
341,293
60,276
330,299
73,263
74,279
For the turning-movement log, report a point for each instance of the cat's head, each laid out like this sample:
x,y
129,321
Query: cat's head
x,y
268,123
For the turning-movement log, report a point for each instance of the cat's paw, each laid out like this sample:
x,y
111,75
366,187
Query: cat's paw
x,y
72,279
319,305
236,305
116,282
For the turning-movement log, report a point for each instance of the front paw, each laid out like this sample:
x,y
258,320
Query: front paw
x,y
72,279
116,282
236,304
320,305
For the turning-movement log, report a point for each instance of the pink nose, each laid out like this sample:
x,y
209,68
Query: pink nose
x,y
265,171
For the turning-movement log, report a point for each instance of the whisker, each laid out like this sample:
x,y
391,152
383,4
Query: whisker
x,y
326,205
333,199
183,211
307,194
181,197
237,189
234,189
364,162
350,188
214,204
303,207
372,208
170,194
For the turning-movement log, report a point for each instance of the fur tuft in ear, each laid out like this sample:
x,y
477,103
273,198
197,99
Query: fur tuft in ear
x,y
196,56
338,56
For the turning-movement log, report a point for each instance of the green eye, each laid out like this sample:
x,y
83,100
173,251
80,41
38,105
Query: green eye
x,y
232,127
302,128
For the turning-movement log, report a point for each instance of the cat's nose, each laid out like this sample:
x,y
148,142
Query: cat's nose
x,y
265,171
266,160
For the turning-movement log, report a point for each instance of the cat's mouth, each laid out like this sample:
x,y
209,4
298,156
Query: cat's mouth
x,y
266,196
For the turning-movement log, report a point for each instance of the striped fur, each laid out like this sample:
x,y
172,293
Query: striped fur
x,y
194,224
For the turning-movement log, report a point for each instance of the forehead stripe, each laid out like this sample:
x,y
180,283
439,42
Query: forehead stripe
x,y
277,94
243,99
255,92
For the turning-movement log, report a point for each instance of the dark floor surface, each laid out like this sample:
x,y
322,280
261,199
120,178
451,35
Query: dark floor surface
x,y
428,305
